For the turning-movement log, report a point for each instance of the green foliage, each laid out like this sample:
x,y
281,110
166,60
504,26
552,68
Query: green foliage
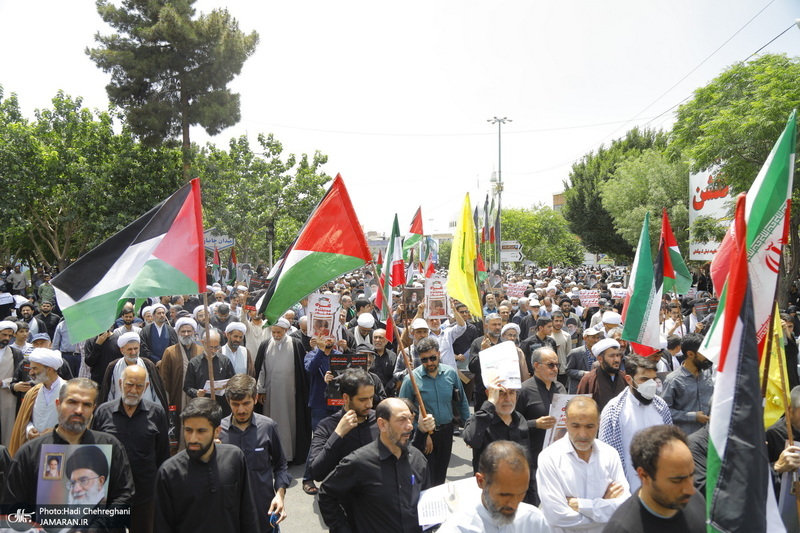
x,y
170,71
584,210
71,181
258,198
648,182
445,247
544,235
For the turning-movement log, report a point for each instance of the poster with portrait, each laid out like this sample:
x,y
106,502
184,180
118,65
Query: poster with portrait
x,y
73,474
323,316
339,363
558,410
437,305
412,297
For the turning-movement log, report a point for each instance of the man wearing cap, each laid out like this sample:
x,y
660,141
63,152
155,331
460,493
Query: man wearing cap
x,y
283,389
158,336
528,323
175,360
141,426
606,380
581,360
38,414
35,325
129,346
197,375
75,404
418,330
10,357
240,357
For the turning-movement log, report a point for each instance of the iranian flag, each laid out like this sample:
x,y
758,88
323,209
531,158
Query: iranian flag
x,y
416,234
676,276
739,495
766,212
643,301
159,254
330,244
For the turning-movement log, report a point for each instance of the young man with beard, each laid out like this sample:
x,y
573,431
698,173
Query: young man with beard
x,y
240,357
580,479
688,389
141,426
380,483
38,414
206,487
76,403
35,324
503,477
667,500
606,380
257,436
636,408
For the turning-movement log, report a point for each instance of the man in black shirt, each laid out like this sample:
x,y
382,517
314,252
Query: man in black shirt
x,y
206,487
379,483
197,371
385,360
141,426
667,500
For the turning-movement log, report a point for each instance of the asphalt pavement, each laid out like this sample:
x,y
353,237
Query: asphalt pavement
x,y
303,511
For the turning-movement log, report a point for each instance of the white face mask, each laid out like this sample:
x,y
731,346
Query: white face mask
x,y
648,389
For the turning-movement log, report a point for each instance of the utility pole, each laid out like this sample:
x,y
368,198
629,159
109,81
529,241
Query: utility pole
x,y
499,183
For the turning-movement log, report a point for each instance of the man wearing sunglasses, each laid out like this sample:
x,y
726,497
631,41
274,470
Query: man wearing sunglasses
x,y
533,401
440,388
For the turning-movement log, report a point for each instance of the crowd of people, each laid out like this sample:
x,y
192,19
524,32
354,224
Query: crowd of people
x,y
206,406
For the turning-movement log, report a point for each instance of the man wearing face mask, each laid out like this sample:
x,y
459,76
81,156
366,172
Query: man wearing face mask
x,y
688,389
634,409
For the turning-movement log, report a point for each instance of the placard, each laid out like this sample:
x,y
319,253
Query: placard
x,y
558,410
589,298
501,360
437,304
516,289
339,363
618,293
323,315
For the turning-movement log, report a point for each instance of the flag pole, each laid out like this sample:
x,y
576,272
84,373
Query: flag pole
x,y
402,348
209,356
768,347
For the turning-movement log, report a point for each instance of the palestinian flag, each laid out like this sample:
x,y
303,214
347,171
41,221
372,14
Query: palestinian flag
x,y
159,254
215,265
330,244
643,302
766,212
676,276
233,266
393,276
739,495
416,234
379,264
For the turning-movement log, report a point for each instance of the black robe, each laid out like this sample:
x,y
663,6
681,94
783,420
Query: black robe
x,y
152,375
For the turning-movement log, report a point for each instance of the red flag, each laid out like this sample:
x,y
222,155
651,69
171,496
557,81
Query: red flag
x,y
416,224
379,263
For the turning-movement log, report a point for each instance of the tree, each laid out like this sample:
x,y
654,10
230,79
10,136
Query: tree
x,y
645,183
259,199
170,71
445,247
734,121
584,208
71,181
543,234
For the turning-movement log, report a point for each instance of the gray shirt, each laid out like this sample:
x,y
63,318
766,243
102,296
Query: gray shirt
x,y
686,395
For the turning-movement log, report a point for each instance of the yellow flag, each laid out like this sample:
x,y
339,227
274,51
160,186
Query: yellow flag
x,y
773,400
461,276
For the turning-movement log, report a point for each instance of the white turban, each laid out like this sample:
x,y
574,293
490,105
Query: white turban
x,y
283,323
238,326
46,357
7,324
157,306
148,309
197,310
125,338
604,345
366,320
185,321
509,326
610,317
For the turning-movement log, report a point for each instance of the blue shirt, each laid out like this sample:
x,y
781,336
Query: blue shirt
x,y
437,393
317,364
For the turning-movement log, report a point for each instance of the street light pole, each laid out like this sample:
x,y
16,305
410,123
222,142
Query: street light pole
x,y
499,122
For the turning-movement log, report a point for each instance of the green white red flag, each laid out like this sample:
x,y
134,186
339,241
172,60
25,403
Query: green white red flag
x,y
676,276
640,313
331,243
416,232
159,254
739,495
394,275
215,265
766,212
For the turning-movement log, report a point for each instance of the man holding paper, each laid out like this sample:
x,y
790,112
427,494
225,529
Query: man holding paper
x,y
194,383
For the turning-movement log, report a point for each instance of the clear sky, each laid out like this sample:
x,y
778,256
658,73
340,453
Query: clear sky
x,y
398,94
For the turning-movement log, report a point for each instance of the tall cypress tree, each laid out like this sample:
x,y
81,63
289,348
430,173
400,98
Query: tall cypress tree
x,y
170,70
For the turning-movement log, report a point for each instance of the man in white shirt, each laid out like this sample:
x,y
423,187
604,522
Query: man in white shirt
x,y
503,476
580,479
